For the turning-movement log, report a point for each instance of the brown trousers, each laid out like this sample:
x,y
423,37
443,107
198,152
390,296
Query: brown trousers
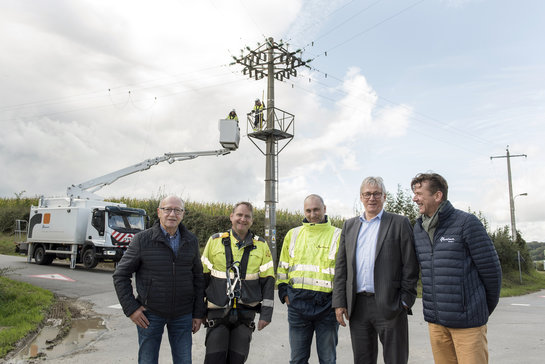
x,y
458,346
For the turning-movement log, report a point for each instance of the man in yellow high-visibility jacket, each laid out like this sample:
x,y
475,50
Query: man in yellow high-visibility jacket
x,y
305,274
247,260
232,115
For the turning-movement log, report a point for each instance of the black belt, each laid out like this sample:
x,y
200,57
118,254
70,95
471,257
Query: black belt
x,y
364,293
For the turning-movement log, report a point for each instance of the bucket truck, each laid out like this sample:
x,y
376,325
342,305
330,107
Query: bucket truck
x,y
85,228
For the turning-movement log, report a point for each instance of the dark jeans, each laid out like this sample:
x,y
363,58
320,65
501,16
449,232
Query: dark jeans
x,y
179,336
301,332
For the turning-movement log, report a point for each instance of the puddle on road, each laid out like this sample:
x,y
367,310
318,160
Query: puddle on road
x,y
82,332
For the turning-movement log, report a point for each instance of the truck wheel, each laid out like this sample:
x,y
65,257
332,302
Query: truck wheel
x,y
41,257
89,259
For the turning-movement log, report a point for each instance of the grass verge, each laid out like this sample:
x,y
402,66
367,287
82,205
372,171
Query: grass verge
x,y
22,309
7,244
531,282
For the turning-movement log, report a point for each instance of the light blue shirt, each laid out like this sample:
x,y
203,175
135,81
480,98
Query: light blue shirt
x,y
366,248
173,241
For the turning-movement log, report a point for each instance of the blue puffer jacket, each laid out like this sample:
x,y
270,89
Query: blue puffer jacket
x,y
461,272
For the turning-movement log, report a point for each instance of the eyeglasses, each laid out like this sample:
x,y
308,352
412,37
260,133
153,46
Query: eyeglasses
x,y
168,210
367,195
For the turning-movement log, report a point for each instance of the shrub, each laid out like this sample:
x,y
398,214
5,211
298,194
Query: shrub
x,y
203,219
8,215
508,251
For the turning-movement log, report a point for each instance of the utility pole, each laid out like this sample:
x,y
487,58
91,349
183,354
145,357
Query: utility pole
x,y
274,61
512,201
511,198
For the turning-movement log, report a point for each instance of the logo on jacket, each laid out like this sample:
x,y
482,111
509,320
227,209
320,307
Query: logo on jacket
x,y
447,240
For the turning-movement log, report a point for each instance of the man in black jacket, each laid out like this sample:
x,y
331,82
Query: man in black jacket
x,y
169,284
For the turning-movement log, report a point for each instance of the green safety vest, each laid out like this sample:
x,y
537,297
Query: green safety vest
x,y
307,260
260,265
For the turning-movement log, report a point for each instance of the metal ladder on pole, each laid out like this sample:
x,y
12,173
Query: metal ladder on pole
x,y
277,177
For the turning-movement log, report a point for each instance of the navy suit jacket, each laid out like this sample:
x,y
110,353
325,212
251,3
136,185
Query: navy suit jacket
x,y
396,267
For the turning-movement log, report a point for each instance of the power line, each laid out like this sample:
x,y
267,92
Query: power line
x,y
423,117
346,21
112,103
328,16
325,52
422,132
100,93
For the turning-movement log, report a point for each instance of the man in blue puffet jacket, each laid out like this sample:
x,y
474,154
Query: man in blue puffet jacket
x,y
461,274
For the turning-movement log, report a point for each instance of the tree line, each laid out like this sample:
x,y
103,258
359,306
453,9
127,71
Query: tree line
x,y
205,219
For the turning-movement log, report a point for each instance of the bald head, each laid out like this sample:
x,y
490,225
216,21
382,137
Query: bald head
x,y
314,209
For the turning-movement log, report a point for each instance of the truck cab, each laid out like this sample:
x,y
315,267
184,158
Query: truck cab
x,y
109,233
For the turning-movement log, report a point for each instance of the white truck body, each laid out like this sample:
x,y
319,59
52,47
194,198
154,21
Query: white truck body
x,y
86,231
60,223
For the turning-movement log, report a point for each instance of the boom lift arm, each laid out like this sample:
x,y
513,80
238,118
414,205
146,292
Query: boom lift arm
x,y
229,139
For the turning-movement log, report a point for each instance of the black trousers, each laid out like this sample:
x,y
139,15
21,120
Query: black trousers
x,y
228,341
367,324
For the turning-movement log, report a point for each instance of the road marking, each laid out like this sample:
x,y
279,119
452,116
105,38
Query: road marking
x,y
520,304
56,276
118,306
542,296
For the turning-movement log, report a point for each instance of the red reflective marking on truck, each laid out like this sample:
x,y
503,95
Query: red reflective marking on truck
x,y
122,237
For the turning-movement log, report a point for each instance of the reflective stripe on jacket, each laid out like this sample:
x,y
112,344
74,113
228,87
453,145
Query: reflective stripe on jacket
x,y
307,260
258,285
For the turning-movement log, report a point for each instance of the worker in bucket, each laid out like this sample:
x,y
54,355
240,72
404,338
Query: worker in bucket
x,y
233,115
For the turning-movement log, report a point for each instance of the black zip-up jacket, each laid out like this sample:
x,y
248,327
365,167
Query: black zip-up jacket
x,y
168,285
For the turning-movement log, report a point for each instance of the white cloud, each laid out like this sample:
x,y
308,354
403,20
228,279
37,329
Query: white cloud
x,y
60,124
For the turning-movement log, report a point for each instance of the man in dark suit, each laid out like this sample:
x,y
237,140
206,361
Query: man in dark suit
x,y
375,278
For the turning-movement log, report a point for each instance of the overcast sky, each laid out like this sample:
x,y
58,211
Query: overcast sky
x,y
396,88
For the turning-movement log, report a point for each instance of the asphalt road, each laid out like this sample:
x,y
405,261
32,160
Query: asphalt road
x,y
516,330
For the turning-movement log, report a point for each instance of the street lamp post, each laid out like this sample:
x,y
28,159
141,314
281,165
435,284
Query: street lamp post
x,y
513,220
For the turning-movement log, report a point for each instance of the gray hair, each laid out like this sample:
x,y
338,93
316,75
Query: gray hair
x,y
172,197
374,181
245,203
